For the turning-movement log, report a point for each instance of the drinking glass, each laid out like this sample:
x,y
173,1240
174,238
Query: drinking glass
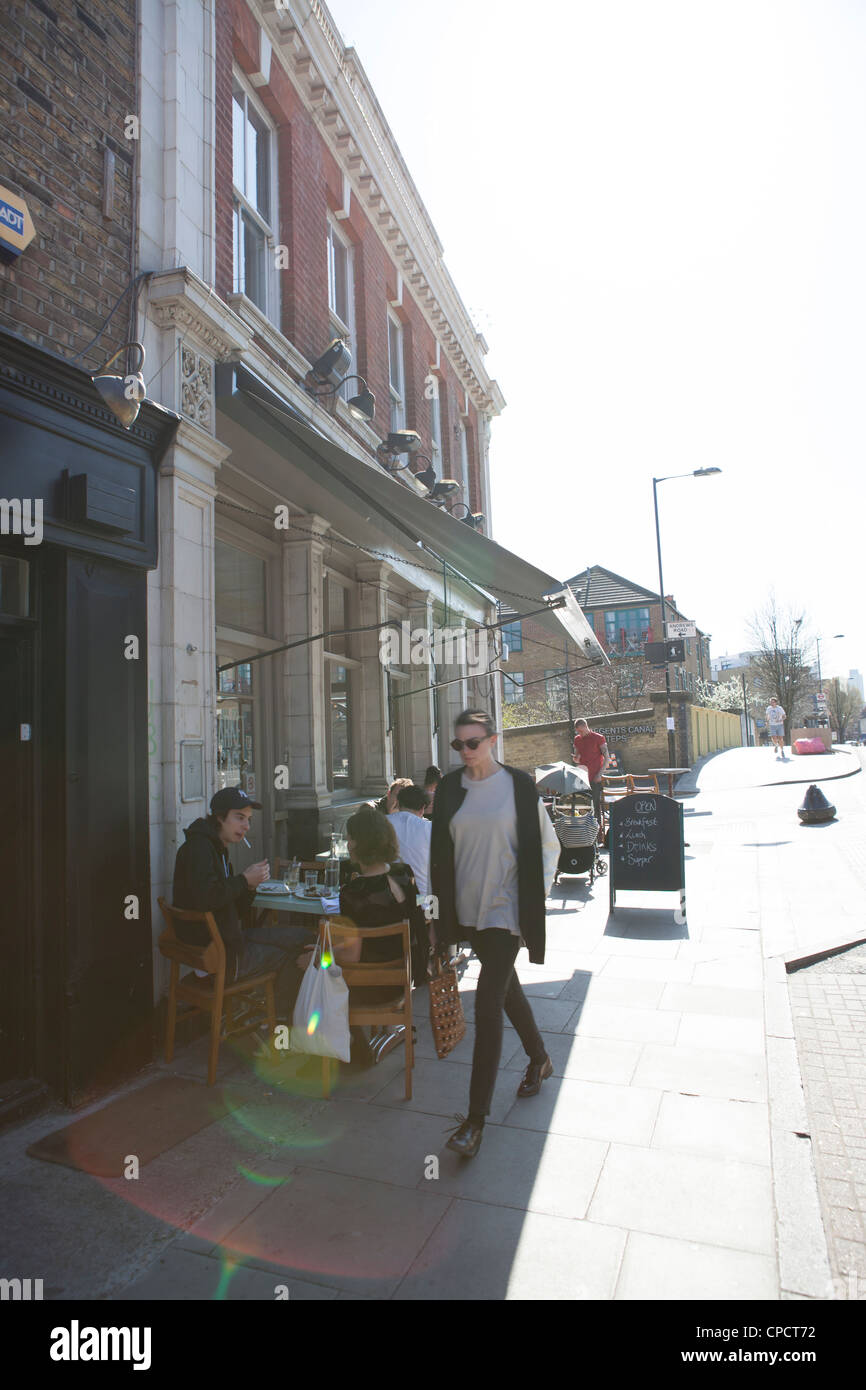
x,y
311,878
293,874
332,875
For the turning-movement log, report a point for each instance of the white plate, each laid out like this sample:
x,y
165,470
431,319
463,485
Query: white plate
x,y
272,888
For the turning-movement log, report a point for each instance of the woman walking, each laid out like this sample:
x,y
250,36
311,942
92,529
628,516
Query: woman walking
x,y
492,860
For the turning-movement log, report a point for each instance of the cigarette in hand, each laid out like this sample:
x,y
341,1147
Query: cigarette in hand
x,y
247,843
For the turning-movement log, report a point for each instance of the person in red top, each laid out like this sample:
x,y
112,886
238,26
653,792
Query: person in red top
x,y
591,750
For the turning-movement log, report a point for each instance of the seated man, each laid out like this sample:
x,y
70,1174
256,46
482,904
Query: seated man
x,y
413,833
204,882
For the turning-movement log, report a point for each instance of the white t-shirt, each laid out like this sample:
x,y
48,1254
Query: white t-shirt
x,y
484,831
775,714
413,840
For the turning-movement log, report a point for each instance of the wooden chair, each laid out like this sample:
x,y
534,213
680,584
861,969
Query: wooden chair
x,y
397,973
613,788
212,995
642,782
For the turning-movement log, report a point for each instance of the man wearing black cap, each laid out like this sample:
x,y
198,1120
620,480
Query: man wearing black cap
x,y
204,882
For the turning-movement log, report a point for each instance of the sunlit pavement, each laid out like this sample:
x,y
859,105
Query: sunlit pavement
x,y
661,1161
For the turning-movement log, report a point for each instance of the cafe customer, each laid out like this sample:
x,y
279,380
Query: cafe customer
x,y
413,833
384,891
205,882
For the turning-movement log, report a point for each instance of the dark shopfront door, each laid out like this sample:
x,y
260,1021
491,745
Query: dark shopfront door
x,y
16,839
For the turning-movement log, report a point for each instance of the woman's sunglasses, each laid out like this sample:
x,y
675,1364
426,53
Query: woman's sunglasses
x,y
458,744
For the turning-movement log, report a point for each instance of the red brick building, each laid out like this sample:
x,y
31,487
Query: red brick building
x,y
624,617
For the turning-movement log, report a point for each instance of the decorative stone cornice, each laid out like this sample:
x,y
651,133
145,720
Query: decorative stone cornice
x,y
336,91
179,299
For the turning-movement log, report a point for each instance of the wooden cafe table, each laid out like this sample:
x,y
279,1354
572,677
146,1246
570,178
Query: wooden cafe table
x,y
670,773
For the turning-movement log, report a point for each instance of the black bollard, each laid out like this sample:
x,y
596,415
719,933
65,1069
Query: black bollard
x,y
815,808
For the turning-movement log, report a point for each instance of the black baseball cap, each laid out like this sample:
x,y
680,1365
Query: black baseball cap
x,y
232,799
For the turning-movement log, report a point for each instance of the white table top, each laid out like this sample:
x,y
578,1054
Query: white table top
x,y
288,902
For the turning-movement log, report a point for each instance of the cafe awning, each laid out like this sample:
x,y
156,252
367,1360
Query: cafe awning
x,y
249,401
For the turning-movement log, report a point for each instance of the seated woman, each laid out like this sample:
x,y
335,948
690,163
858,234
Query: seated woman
x,y
383,892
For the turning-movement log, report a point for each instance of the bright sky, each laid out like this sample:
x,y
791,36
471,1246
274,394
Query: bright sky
x,y
656,212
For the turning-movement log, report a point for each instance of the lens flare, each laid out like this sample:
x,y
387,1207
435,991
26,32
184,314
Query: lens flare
x,y
313,1024
327,959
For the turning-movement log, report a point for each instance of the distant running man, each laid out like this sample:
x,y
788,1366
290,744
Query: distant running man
x,y
776,725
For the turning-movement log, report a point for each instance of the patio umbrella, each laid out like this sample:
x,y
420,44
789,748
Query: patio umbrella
x,y
561,778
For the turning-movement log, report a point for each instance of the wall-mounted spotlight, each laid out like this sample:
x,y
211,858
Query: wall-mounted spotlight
x,y
445,488
332,367
400,442
123,394
334,362
474,519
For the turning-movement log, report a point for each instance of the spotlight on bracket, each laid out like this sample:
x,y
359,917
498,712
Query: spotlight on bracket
x,y
446,487
401,442
334,363
123,394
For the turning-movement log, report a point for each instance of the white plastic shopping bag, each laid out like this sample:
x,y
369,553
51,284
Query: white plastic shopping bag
x,y
321,1017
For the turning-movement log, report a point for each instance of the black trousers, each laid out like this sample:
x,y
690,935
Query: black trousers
x,y
498,989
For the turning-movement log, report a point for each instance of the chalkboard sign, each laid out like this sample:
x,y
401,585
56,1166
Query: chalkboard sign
x,y
645,844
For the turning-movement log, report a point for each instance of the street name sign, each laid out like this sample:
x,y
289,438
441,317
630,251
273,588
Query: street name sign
x,y
681,630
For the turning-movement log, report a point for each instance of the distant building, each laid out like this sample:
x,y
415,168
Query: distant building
x,y
624,616
855,678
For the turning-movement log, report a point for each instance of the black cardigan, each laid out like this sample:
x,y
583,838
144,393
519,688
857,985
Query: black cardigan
x,y
530,873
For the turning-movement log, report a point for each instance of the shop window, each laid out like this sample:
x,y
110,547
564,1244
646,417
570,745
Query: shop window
x,y
236,729
240,589
338,685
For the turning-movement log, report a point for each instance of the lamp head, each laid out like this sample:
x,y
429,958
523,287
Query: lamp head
x,y
334,362
705,472
123,394
445,488
401,442
363,406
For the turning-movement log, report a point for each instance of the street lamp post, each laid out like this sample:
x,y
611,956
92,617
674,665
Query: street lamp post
x,y
695,473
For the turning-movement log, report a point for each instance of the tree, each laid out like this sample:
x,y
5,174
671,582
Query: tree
x,y
843,706
727,695
779,662
609,689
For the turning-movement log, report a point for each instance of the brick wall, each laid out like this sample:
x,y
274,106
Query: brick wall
x,y
638,737
67,83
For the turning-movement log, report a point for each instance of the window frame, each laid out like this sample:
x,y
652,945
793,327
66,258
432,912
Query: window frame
x,y
507,630
463,454
517,681
436,426
342,327
397,397
243,208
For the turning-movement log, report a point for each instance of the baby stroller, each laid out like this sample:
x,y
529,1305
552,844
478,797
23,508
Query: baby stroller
x,y
579,840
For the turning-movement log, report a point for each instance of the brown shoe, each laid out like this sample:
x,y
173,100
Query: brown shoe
x,y
536,1072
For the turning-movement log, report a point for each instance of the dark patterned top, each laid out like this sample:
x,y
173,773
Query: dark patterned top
x,y
370,903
